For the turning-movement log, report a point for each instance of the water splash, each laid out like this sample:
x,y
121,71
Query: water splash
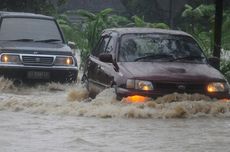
x,y
6,84
59,99
78,94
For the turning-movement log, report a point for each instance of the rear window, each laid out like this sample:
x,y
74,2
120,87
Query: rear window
x,y
29,28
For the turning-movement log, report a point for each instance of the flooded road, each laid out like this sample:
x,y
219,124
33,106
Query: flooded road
x,y
59,118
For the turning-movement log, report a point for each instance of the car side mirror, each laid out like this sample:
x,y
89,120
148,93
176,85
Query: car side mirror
x,y
72,45
214,61
106,57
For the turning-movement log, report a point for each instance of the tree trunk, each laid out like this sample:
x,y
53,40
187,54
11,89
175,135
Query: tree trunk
x,y
218,27
171,14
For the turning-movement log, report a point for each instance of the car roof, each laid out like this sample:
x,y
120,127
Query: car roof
x,y
137,30
23,14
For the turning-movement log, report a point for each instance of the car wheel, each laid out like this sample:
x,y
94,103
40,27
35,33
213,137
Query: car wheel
x,y
85,82
118,97
70,78
92,94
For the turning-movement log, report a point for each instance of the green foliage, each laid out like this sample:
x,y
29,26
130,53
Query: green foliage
x,y
93,25
225,68
118,21
199,12
71,31
194,14
139,22
160,25
66,27
199,22
226,31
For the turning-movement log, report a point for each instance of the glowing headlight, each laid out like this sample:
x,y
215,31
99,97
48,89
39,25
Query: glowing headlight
x,y
10,59
217,87
63,61
139,84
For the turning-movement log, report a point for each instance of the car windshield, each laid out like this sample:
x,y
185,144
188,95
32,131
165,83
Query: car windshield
x,y
29,29
159,47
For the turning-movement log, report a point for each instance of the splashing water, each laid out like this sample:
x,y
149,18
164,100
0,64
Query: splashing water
x,y
78,94
6,85
64,99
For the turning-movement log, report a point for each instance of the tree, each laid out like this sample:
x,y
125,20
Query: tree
x,y
218,31
199,22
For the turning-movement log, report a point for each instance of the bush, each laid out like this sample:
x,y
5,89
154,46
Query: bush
x,y
225,68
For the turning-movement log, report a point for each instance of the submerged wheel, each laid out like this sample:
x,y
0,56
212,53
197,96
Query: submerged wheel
x,y
85,82
118,96
70,78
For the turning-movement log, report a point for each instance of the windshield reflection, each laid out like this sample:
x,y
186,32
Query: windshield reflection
x,y
29,29
159,47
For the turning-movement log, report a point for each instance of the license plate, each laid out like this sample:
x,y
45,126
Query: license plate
x,y
38,75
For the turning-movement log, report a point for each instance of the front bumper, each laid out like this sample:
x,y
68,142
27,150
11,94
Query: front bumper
x,y
123,92
53,73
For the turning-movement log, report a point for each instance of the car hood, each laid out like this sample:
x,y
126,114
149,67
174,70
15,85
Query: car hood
x,y
170,71
31,47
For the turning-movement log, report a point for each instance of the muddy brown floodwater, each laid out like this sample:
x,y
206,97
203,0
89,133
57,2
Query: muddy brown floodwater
x,y
60,118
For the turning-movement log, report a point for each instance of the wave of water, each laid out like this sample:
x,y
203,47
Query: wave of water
x,y
59,99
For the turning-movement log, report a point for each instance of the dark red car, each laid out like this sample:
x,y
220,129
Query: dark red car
x,y
150,63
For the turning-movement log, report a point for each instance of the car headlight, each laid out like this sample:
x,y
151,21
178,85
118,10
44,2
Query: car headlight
x,y
64,61
217,87
139,85
10,59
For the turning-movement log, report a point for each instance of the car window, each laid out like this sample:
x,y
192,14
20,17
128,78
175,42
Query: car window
x,y
150,47
110,46
29,28
102,46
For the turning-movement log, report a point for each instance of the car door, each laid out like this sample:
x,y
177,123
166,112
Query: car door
x,y
106,71
100,74
93,65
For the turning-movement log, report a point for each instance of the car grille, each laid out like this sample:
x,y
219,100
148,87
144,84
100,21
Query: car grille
x,y
180,87
37,60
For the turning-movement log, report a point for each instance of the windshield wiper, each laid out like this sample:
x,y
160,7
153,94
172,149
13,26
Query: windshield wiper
x,y
154,56
48,40
189,57
22,40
